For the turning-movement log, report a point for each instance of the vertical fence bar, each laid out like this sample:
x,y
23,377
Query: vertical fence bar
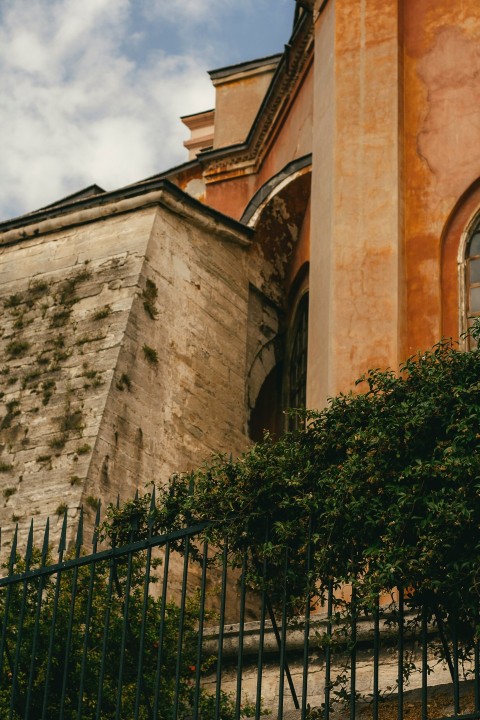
x,y
261,638
78,547
283,640
23,607
41,584
306,631
11,565
178,668
106,624
88,615
140,684
241,631
476,664
61,549
400,652
376,655
353,656
443,638
221,632
424,662
201,622
456,688
328,650
146,586
287,672
125,627
161,629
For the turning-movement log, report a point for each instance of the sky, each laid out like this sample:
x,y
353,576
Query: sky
x,y
91,91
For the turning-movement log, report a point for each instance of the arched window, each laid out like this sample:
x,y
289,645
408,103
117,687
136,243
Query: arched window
x,y
472,276
297,361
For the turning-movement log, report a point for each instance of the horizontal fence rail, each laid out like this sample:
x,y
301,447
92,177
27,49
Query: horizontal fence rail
x,y
164,628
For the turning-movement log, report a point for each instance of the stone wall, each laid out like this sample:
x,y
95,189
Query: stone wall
x,y
122,357
439,680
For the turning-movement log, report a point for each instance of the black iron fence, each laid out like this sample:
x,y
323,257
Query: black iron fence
x,y
155,629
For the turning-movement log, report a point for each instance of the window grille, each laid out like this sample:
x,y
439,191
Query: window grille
x,y
297,379
472,269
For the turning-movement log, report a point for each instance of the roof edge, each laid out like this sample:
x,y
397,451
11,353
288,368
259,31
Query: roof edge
x,y
156,192
223,72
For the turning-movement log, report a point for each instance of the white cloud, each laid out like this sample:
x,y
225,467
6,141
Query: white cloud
x,y
74,109
191,11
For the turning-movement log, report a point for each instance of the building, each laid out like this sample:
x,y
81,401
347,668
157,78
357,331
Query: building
x,y
333,193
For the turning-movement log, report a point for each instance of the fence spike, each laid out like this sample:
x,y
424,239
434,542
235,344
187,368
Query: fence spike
x,y
97,524
29,552
151,511
79,539
118,501
62,545
46,537
13,551
136,494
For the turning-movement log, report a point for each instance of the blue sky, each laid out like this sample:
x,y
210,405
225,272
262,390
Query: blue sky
x,y
92,90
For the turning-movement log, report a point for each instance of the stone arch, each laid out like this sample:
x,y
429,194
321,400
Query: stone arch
x,y
291,172
279,213
461,220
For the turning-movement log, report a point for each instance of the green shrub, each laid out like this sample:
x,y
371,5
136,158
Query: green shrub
x,y
84,449
60,317
58,442
150,354
17,348
149,295
124,382
102,313
13,301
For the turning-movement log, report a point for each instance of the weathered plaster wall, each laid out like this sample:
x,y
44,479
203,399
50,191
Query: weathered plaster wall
x,y
442,133
319,371
356,242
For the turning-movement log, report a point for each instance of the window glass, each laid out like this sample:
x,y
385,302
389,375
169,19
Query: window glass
x,y
472,281
474,299
474,266
474,248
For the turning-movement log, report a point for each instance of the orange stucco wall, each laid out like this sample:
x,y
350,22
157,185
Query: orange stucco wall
x,y
231,196
390,109
394,181
442,141
294,137
356,267
301,253
236,103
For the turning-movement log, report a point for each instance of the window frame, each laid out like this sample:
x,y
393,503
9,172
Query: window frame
x,y
300,315
465,286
